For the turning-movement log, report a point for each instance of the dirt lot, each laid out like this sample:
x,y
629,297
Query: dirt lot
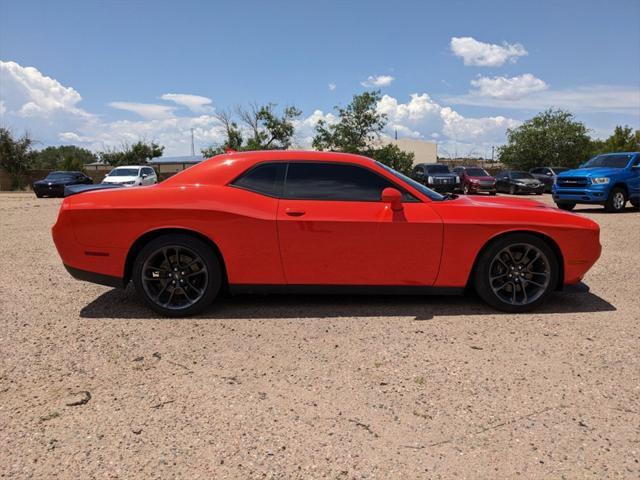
x,y
310,387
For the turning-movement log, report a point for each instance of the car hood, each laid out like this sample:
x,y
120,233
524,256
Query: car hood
x,y
528,181
590,172
119,179
482,179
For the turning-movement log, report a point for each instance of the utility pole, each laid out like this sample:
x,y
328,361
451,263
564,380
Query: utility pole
x,y
193,151
492,148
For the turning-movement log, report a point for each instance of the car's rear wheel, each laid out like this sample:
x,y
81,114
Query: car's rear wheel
x,y
516,273
566,206
616,201
177,275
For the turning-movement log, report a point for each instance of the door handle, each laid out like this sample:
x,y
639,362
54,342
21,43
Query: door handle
x,y
294,213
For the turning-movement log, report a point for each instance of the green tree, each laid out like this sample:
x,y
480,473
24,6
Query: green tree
x,y
623,139
233,136
552,137
16,156
265,128
139,152
358,130
66,157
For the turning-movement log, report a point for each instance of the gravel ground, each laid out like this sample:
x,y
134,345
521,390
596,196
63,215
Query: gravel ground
x,y
93,385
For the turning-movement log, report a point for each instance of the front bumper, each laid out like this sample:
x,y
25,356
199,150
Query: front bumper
x,y
48,190
590,194
477,188
527,189
444,187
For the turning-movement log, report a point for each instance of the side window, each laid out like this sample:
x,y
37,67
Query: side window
x,y
636,162
266,179
418,171
328,181
537,170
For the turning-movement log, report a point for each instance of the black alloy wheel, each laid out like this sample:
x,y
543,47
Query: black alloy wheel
x,y
177,275
516,273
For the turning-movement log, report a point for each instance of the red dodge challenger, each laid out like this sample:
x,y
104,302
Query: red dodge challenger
x,y
283,221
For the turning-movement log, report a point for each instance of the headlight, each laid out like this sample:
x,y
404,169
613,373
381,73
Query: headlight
x,y
521,183
600,180
457,179
130,182
429,179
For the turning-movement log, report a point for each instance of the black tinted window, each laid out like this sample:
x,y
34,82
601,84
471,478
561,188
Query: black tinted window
x,y
266,179
327,181
437,169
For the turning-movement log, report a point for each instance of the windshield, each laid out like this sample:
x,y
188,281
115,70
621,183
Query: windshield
x,y
476,172
418,186
557,170
521,176
613,161
124,172
60,175
437,169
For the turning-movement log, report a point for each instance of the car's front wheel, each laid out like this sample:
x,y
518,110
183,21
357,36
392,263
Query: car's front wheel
x,y
516,273
616,201
177,275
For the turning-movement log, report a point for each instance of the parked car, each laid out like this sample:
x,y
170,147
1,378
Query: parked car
x,y
437,177
475,180
609,179
514,181
293,221
131,175
53,184
547,175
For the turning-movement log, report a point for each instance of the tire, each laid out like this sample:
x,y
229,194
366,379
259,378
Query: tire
x,y
498,289
538,193
566,206
164,257
493,193
616,201
39,195
512,190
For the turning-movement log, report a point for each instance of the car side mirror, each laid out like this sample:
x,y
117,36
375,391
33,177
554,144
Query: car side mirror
x,y
144,175
549,174
392,196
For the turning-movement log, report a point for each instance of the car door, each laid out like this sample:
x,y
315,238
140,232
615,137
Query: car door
x,y
334,229
633,183
502,182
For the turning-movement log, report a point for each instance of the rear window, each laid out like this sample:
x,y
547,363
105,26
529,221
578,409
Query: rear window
x,y
266,179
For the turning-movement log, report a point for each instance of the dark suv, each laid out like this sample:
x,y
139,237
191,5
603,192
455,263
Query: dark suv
x,y
547,175
437,177
475,180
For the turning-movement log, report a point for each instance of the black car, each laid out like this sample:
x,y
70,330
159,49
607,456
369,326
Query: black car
x,y
518,182
53,185
547,175
437,177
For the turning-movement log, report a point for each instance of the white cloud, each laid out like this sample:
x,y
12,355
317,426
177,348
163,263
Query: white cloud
x,y
508,88
474,129
150,111
373,81
305,127
195,103
583,99
332,86
483,54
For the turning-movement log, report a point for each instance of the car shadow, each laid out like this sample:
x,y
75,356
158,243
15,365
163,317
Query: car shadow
x,y
125,304
601,210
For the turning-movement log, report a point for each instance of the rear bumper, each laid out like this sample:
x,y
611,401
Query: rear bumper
x,y
93,277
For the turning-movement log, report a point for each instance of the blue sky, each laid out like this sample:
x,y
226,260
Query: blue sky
x,y
101,69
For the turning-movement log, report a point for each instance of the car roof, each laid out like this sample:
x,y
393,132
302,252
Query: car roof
x,y
221,169
129,166
619,153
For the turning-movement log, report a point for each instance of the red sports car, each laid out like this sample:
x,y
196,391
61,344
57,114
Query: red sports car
x,y
317,222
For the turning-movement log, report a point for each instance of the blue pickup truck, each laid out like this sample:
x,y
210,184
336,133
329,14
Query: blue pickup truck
x,y
609,179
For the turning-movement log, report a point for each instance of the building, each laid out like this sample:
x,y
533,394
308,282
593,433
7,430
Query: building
x,y
423,151
171,165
